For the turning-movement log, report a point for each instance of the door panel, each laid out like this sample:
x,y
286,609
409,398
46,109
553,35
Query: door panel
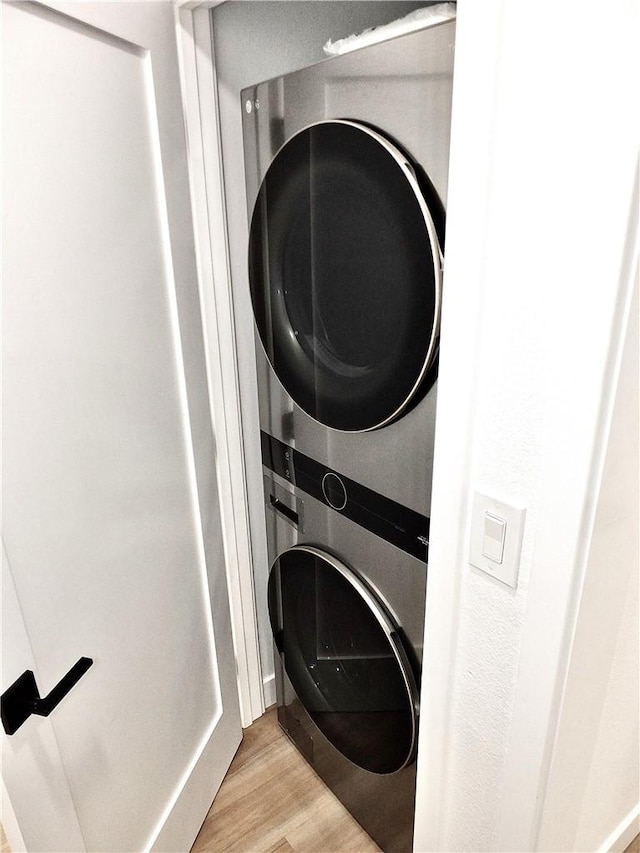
x,y
111,515
345,275
345,659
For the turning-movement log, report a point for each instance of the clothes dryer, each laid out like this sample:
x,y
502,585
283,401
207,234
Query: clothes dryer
x,y
346,166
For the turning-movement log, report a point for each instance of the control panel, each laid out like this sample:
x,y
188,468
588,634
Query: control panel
x,y
399,525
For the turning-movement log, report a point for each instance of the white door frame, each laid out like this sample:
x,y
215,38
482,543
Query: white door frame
x,y
200,101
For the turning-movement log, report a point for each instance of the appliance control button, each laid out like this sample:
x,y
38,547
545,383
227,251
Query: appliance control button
x,y
334,491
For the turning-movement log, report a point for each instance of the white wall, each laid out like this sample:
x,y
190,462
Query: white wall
x,y
540,256
595,775
254,41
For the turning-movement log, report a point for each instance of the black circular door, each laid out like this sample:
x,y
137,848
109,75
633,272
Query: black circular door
x,y
345,275
344,658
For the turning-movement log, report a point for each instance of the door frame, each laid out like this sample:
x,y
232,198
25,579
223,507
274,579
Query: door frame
x,y
201,113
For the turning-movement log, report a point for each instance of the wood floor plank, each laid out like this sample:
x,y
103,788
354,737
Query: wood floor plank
x,y
329,827
634,847
283,847
257,737
271,801
4,844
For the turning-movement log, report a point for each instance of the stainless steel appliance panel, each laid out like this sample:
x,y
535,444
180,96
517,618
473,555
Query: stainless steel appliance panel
x,y
402,87
382,802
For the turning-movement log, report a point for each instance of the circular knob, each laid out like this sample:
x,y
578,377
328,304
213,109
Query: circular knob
x,y
334,491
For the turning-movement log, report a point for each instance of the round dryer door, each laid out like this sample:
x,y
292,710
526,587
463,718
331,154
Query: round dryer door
x,y
344,658
345,275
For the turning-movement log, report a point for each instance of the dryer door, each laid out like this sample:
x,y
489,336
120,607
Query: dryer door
x,y
345,275
344,658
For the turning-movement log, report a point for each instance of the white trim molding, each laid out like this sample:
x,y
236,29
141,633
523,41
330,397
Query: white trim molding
x,y
192,5
269,690
623,834
210,225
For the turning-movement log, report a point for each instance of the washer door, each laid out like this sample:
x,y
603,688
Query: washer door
x,y
344,658
345,275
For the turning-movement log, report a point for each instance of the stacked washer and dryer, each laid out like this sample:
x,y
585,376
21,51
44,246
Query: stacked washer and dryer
x,y
346,172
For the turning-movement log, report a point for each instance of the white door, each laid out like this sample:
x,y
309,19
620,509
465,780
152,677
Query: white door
x,y
112,532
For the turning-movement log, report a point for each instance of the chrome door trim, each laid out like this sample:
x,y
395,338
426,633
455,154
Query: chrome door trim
x,y
438,262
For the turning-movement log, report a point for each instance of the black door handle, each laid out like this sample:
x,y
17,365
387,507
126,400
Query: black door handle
x,y
23,699
283,509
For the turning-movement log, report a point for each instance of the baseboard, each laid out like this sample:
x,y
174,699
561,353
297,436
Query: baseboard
x,y
623,834
269,690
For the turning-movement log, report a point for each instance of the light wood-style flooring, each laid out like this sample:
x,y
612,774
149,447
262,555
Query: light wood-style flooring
x,y
271,801
634,847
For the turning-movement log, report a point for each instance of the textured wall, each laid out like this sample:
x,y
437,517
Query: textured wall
x,y
537,285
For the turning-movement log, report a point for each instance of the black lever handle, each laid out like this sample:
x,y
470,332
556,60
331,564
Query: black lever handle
x,y
285,510
23,699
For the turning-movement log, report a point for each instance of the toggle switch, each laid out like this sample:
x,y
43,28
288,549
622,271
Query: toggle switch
x,y
493,539
497,529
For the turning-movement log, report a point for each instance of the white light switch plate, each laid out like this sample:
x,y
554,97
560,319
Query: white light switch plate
x,y
506,570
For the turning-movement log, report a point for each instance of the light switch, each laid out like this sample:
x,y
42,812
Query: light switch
x,y
494,532
496,538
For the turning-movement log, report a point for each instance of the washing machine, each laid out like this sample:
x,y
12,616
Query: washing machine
x,y
346,166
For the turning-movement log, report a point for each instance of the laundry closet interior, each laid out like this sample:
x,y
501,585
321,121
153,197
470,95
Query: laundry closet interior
x,y
345,170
